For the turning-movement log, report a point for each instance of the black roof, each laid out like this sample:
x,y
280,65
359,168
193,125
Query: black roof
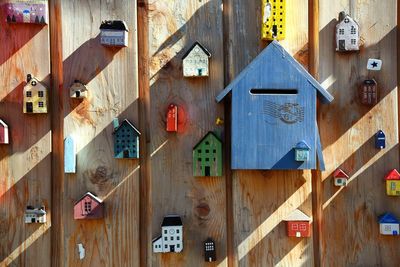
x,y
202,139
126,121
114,25
191,48
172,220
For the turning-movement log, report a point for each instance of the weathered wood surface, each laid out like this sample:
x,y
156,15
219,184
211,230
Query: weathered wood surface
x,y
174,27
25,177
350,232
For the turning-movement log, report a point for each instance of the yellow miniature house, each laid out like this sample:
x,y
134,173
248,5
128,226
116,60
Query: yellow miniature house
x,y
393,183
35,96
273,19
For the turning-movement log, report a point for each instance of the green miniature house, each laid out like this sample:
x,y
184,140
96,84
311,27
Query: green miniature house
x,y
207,156
302,151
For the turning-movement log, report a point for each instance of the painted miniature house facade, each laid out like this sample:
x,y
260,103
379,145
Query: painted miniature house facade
x,y
4,136
69,155
171,238
114,33
35,215
369,92
31,11
196,61
340,178
271,113
347,34
207,156
35,96
393,183
302,151
298,224
210,252
78,90
172,118
89,207
273,20
126,140
388,224
380,140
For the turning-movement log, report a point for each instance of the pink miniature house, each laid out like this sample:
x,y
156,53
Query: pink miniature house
x,y
33,11
89,207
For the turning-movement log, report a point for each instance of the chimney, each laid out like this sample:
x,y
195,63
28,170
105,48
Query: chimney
x,y
116,123
342,15
28,78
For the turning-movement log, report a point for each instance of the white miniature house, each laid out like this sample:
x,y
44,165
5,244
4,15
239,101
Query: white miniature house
x,y
171,238
347,34
35,215
196,61
114,33
78,90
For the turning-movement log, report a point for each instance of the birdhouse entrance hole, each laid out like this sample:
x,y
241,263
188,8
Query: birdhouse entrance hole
x,y
78,94
274,91
126,154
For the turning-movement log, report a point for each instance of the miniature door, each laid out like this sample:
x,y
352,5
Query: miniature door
x,y
347,34
380,140
172,118
78,90
4,137
35,96
33,11
273,19
196,61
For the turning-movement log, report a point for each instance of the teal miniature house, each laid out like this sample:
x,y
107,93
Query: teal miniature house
x,y
207,156
302,151
126,140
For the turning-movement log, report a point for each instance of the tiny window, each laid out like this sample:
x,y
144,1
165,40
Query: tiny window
x,y
40,104
199,159
177,231
172,238
353,30
302,227
40,93
29,94
166,238
295,227
214,151
199,151
353,41
165,231
207,159
341,31
178,238
166,246
207,151
178,246
207,143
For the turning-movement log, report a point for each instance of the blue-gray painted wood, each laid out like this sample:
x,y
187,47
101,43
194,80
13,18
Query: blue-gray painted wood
x,y
126,140
69,155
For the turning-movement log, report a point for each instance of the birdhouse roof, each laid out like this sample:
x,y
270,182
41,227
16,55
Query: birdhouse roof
x,y
380,133
193,46
393,175
339,173
388,218
92,196
297,215
3,124
343,16
37,211
302,145
130,124
275,50
202,140
114,25
172,220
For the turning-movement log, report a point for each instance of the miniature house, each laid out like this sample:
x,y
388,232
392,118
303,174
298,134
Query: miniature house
x,y
380,140
172,118
196,61
298,224
340,178
210,252
207,156
271,113
78,90
69,155
4,138
35,215
126,140
393,183
369,92
273,20
34,11
171,238
88,207
114,33
35,96
347,34
388,224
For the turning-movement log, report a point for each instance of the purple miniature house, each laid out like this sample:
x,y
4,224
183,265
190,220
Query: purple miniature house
x,y
33,11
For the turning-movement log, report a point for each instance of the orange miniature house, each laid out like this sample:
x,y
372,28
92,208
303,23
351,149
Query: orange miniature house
x,y
88,207
393,183
298,224
172,118
341,178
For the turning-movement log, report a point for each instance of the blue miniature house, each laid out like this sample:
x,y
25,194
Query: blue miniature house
x,y
388,224
69,155
274,114
380,140
126,140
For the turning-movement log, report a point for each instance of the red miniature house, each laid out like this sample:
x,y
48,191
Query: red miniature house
x,y
298,224
172,118
89,207
340,177
3,133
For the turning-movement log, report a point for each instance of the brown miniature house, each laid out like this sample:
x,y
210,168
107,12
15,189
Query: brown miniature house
x,y
369,92
89,207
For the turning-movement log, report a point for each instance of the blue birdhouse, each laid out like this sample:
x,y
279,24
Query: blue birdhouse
x,y
274,107
380,140
126,140
388,224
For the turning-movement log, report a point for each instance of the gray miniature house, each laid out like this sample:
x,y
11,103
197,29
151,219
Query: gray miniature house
x,y
78,90
196,61
347,34
274,114
114,33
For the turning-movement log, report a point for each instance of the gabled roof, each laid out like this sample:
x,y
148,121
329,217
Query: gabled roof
x,y
339,173
276,50
380,133
92,196
297,215
156,239
343,16
130,124
114,25
302,145
2,123
393,175
388,218
201,141
191,48
172,220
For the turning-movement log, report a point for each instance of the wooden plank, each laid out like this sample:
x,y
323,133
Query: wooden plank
x,y
24,163
174,27
111,78
347,132
263,199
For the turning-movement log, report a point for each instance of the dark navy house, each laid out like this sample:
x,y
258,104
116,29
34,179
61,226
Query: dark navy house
x,y
126,140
